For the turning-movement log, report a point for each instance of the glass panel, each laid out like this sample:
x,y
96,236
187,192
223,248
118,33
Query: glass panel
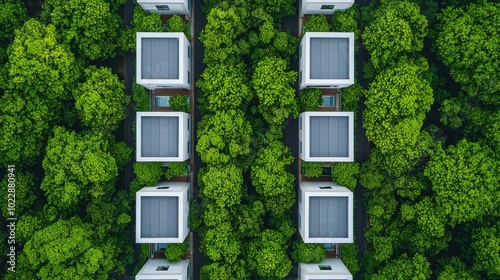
x,y
160,246
162,101
162,7
328,100
327,7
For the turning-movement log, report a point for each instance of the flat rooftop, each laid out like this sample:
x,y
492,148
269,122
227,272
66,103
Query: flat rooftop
x,y
159,216
329,136
160,58
159,136
329,58
328,217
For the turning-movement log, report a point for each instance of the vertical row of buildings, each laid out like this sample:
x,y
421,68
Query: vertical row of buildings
x,y
164,66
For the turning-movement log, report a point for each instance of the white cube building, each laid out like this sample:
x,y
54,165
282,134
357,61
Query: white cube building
x,y
156,269
325,7
327,269
163,60
162,213
326,60
166,7
163,136
326,136
325,213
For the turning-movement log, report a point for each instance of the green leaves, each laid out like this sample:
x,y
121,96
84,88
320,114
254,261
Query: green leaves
x,y
224,87
223,184
468,43
100,100
396,104
310,99
465,180
272,84
398,28
307,253
88,26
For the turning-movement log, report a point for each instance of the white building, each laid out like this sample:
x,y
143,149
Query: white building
x,y
163,60
163,136
162,213
325,213
166,7
162,269
326,60
326,7
326,136
327,269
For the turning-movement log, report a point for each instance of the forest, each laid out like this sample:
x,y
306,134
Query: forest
x,y
427,93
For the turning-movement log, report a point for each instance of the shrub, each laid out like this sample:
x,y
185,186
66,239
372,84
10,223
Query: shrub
x,y
175,169
307,253
349,254
316,23
175,251
140,97
179,103
310,99
350,97
148,173
346,174
313,169
177,24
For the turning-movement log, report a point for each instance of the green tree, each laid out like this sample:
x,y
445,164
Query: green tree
x,y
76,167
176,169
468,43
223,185
272,84
397,28
270,174
24,126
148,173
174,251
404,267
100,101
220,243
307,253
396,104
346,174
25,194
39,65
177,24
221,34
223,270
12,16
465,180
453,268
346,21
486,246
140,97
267,255
310,99
313,169
224,86
223,137
179,103
249,218
66,249
316,23
90,27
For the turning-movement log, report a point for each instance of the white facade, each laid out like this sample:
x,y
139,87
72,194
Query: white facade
x,y
305,54
184,54
152,270
166,7
184,136
175,189
305,137
317,189
308,271
326,7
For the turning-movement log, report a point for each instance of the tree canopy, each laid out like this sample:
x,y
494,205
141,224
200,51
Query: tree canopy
x,y
468,43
